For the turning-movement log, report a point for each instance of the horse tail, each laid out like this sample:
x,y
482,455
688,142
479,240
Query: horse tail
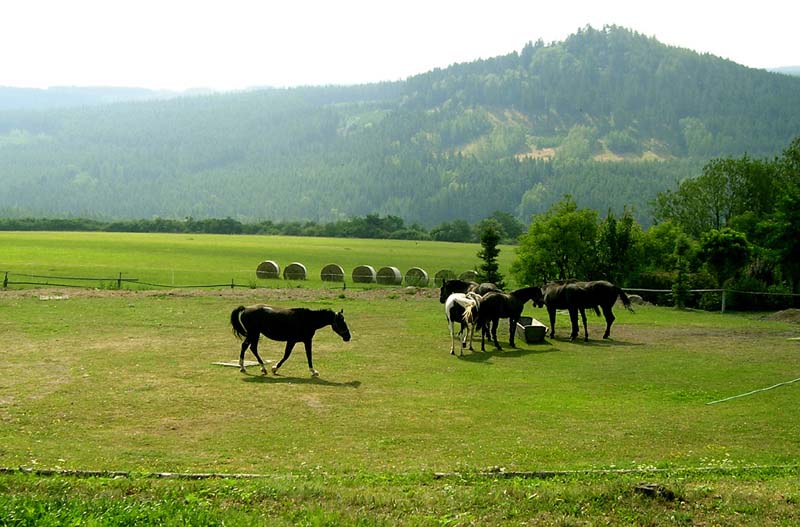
x,y
236,323
625,300
468,316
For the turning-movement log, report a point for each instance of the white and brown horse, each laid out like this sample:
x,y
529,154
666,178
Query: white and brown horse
x,y
462,307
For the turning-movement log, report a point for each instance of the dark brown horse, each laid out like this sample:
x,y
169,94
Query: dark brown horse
x,y
577,297
285,325
463,286
495,306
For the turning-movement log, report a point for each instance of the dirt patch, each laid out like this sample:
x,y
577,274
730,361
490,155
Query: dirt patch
x,y
267,294
787,315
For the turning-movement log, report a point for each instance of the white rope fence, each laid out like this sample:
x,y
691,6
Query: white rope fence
x,y
754,391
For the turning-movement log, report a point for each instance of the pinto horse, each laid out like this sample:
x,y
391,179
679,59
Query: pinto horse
x,y
286,325
578,296
495,306
462,307
463,286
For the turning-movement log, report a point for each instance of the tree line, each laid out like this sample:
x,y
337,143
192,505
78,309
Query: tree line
x,y
370,226
736,226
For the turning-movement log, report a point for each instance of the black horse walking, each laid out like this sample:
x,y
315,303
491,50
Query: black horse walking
x,y
495,306
286,325
579,296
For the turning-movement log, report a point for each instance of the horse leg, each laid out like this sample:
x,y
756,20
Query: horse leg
x,y
512,329
552,312
287,352
462,337
573,317
245,345
585,331
314,373
452,338
470,333
609,320
494,334
254,349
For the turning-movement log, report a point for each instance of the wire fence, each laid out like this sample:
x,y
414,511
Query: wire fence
x,y
722,300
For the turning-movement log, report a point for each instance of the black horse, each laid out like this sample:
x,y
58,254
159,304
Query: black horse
x,y
495,306
285,325
463,286
578,296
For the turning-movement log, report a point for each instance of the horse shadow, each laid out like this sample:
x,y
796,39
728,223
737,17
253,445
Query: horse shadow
x,y
507,353
595,343
280,379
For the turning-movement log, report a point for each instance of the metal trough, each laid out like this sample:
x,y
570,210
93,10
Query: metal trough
x,y
531,330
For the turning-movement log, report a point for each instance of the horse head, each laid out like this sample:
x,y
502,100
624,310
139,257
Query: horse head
x,y
340,326
443,292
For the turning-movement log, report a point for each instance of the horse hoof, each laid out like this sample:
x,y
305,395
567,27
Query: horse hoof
x,y
274,370
314,373
242,370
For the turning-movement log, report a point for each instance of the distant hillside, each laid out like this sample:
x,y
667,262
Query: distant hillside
x,y
788,70
70,96
609,116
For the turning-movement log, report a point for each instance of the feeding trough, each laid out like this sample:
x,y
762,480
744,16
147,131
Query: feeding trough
x,y
531,329
268,269
441,276
332,273
364,274
417,277
295,271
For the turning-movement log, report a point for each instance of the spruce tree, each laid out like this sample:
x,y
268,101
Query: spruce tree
x,y
489,269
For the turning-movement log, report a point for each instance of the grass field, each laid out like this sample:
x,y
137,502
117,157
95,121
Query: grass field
x,y
124,381
191,259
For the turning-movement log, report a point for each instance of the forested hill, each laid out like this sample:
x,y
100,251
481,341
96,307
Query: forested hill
x,y
609,116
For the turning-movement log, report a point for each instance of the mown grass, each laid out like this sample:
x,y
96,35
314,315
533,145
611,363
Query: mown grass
x,y
192,259
124,381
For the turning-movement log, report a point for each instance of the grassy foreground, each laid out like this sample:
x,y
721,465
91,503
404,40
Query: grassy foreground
x,y
125,381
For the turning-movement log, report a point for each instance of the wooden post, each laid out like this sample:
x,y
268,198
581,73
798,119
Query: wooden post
x,y
723,301
5,281
119,281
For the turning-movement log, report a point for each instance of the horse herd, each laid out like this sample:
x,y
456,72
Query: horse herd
x,y
482,305
473,305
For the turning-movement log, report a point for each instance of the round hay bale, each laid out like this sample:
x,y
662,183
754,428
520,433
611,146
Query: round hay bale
x,y
364,274
268,269
295,271
389,276
469,276
417,277
440,277
332,273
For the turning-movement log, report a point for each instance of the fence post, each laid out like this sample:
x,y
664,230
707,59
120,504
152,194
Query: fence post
x,y
723,301
119,281
5,281
232,285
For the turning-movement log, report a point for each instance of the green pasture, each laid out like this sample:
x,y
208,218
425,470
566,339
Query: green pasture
x,y
196,259
125,381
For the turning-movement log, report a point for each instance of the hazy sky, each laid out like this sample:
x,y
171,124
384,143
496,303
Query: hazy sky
x,y
235,44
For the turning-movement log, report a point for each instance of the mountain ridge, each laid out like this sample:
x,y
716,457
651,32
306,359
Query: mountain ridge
x,y
609,116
